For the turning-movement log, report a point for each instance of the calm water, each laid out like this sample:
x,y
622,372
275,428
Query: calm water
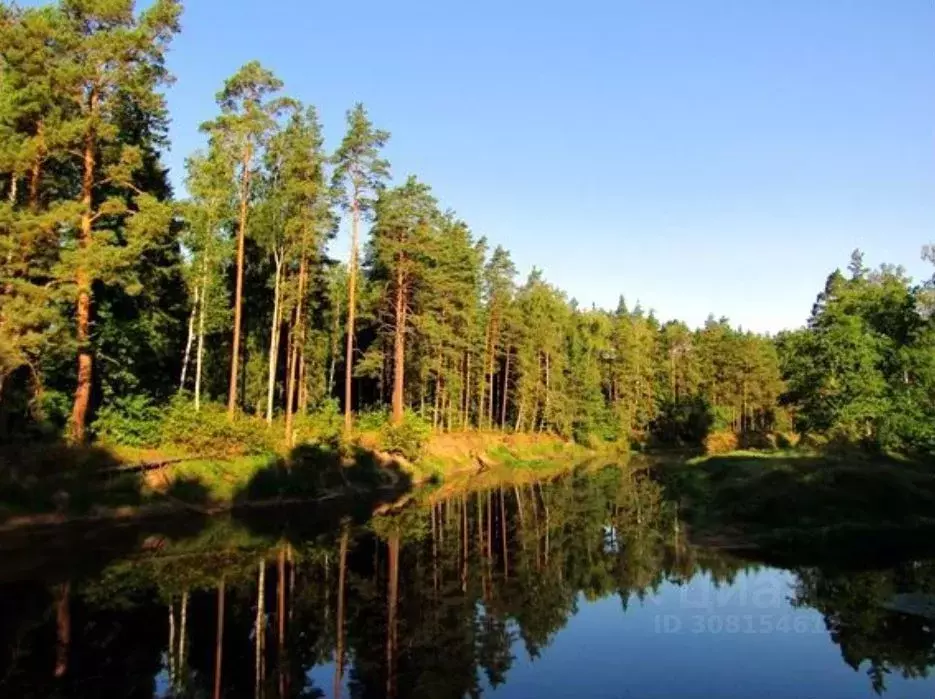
x,y
583,586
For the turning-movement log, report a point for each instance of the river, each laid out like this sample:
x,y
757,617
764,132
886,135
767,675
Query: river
x,y
582,585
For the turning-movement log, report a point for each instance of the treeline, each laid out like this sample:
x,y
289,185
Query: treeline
x,y
116,295
863,370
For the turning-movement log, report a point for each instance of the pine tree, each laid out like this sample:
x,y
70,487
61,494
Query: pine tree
x,y
359,175
248,119
404,246
108,62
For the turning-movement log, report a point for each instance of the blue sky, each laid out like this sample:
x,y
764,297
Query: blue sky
x,y
702,156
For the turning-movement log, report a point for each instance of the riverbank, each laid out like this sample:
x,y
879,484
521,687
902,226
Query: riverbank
x,y
783,501
58,485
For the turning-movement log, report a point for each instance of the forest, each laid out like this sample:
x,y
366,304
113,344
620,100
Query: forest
x,y
135,314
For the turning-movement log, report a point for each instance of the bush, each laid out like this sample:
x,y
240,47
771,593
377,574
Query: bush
x,y
372,420
323,426
407,438
131,421
721,442
209,432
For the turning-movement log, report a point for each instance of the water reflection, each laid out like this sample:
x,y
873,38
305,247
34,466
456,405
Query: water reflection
x,y
453,594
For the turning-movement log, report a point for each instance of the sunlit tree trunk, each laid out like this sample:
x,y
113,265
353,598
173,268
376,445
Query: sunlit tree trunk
x,y
506,389
274,333
200,352
79,413
351,313
186,359
298,340
238,286
399,346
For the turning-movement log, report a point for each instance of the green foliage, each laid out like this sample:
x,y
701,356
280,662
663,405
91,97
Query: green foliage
x,y
407,438
208,432
130,420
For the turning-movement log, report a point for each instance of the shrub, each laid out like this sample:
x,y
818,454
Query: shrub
x,y
721,442
325,425
209,432
131,421
407,438
372,420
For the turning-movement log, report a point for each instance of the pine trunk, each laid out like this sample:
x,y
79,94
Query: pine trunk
x,y
274,333
506,390
238,287
79,413
399,348
351,303
298,340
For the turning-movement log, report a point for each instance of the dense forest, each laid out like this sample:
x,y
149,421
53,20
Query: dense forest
x,y
120,300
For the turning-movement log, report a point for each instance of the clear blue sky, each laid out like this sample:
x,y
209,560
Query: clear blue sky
x,y
698,155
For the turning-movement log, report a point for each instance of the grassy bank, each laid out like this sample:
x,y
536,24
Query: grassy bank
x,y
797,501
62,483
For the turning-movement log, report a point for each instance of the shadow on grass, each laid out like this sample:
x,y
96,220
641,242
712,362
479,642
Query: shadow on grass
x,y
41,478
316,487
808,505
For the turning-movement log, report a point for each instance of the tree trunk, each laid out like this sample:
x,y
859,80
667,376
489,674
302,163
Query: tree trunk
x,y
466,412
298,340
274,333
302,388
35,172
399,347
506,390
548,392
219,642
199,359
79,413
188,342
351,310
482,379
238,288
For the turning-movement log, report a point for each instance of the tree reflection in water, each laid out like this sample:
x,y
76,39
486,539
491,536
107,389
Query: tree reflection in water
x,y
422,600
